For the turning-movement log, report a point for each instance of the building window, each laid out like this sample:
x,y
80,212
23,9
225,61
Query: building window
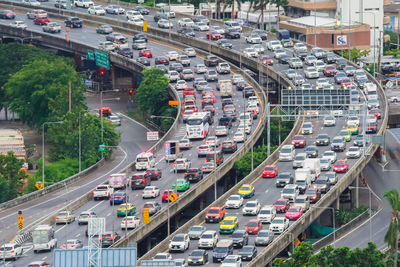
x,y
332,38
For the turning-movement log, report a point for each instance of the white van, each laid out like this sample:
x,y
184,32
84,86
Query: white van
x,y
233,24
144,161
118,180
245,118
287,153
43,238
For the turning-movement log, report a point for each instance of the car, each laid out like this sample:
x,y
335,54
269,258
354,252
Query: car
x,y
124,51
279,225
150,192
307,128
65,217
229,224
340,75
376,112
281,205
353,152
36,13
115,9
190,52
322,183
332,177
186,32
298,161
313,194
311,73
251,208
193,174
371,127
144,61
322,140
309,60
153,207
7,14
253,226
83,3
31,2
228,146
239,137
232,33
130,222
345,82
115,120
234,202
118,198
142,10
203,150
181,164
107,45
208,167
180,242
232,261
290,192
250,52
341,166
267,214
41,21
109,238
303,202
20,24
75,22
165,24
353,128
162,257
96,10
346,134
208,239
11,251
295,63
270,171
146,53
72,244
283,179
253,39
330,71
329,121
185,144
338,143
181,185
201,26
196,231
240,238
126,209
299,141
198,257
38,264
359,140
287,153
325,164
246,190
85,216
213,36
294,213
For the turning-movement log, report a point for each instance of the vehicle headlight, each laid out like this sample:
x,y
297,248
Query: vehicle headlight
x,y
189,259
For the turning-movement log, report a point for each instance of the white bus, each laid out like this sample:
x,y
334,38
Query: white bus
x,y
197,125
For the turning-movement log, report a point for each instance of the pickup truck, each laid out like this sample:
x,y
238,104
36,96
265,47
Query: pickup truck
x,y
102,191
51,27
215,214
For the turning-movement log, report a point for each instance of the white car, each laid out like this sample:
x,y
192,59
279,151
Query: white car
x,y
185,144
136,21
84,3
208,239
130,222
232,261
274,45
179,242
173,75
200,68
287,153
11,251
307,128
237,78
133,14
278,53
259,48
114,119
279,225
172,55
185,22
181,164
309,60
253,39
267,214
19,24
325,164
201,26
31,2
329,154
354,152
253,100
96,10
162,257
190,52
234,202
290,192
355,120
221,131
218,29
329,121
250,52
107,45
371,118
151,192
239,137
311,73
244,128
252,207
319,65
165,24
180,85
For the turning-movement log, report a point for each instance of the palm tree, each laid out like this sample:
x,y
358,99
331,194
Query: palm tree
x,y
280,3
261,6
232,4
391,237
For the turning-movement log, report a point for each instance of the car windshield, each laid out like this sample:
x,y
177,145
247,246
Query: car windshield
x,y
251,204
228,222
237,234
263,234
213,211
320,181
324,160
196,228
245,188
293,210
265,211
196,253
234,198
353,149
300,200
286,150
340,163
207,236
278,220
280,202
178,238
288,191
229,260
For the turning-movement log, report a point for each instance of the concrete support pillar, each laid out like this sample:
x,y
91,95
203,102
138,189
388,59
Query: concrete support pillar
x,y
147,243
113,77
337,204
202,203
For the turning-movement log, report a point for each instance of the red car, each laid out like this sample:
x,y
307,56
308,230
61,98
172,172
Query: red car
x,y
299,141
330,71
146,53
215,214
376,112
281,205
270,171
214,36
346,82
165,195
267,60
253,227
189,91
341,166
294,213
313,194
41,21
371,128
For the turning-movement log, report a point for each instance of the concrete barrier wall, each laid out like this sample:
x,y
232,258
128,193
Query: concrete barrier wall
x,y
162,246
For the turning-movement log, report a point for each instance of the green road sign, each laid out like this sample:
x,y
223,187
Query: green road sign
x,y
102,59
102,148
90,55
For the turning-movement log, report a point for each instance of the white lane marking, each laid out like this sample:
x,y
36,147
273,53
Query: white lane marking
x,y
62,195
44,258
123,115
158,162
109,214
62,227
77,235
96,205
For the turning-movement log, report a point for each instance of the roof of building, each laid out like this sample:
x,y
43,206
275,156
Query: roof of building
x,y
392,8
311,21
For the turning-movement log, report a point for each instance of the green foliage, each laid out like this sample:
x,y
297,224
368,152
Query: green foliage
x,y
39,91
58,171
273,30
393,52
333,257
343,216
392,234
10,179
371,67
393,39
152,93
355,54
279,3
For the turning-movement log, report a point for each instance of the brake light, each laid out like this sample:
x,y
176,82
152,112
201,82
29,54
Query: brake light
x,y
92,192
196,174
111,198
143,181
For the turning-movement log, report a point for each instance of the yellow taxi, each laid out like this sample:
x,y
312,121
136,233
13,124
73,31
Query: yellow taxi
x,y
126,209
353,128
246,191
229,224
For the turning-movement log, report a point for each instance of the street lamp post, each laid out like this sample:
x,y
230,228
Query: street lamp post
x,y
43,126
370,207
333,220
80,141
101,113
373,13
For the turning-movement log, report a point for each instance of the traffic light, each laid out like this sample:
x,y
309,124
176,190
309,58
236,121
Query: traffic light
x,y
102,71
130,91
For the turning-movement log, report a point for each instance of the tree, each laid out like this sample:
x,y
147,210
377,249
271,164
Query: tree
x,y
391,237
39,91
394,39
10,177
355,54
393,52
279,4
152,93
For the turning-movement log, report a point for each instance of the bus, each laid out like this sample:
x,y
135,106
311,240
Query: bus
x,y
197,125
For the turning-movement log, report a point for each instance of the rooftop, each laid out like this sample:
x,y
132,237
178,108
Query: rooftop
x,y
311,21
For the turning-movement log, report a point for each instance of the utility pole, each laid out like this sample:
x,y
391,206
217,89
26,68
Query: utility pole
x,y
69,95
